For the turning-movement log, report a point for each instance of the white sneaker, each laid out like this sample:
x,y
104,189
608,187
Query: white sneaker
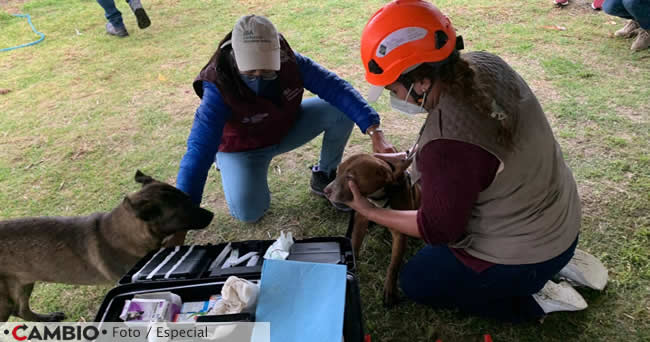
x,y
585,269
559,297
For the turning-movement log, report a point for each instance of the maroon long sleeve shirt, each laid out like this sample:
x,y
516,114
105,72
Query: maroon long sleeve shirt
x,y
453,173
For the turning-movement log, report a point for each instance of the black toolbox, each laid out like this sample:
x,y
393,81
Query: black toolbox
x,y
186,271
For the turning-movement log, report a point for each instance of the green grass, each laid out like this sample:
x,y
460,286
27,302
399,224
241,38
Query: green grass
x,y
86,110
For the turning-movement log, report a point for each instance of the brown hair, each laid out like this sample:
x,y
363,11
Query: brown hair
x,y
227,72
460,80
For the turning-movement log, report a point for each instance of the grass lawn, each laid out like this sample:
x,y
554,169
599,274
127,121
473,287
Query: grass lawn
x,y
81,111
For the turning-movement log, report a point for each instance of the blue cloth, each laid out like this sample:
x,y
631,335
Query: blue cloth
x,y
303,301
212,114
638,10
435,277
112,14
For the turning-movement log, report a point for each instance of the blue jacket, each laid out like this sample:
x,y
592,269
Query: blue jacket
x,y
212,114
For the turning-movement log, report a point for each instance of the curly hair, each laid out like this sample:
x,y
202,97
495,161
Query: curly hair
x,y
459,79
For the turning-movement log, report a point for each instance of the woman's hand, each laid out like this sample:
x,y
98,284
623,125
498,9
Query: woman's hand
x,y
380,145
379,142
359,203
403,221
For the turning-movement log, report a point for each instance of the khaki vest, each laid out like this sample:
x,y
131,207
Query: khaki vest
x,y
531,211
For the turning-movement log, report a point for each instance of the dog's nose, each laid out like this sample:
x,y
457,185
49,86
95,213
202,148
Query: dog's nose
x,y
327,191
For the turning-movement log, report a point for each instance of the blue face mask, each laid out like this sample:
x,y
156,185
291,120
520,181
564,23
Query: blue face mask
x,y
258,84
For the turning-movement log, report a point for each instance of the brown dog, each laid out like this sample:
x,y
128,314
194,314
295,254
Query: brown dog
x,y
94,249
376,178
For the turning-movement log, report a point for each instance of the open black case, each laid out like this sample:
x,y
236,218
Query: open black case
x,y
187,271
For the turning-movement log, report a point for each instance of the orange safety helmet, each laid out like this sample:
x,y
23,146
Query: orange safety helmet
x,y
402,34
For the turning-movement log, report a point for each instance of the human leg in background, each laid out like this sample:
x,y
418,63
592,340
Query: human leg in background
x,y
597,4
638,11
115,25
140,14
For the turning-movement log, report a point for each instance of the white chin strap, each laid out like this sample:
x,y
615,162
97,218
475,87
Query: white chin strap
x,y
424,96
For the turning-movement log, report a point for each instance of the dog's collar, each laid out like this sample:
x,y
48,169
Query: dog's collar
x,y
381,198
378,195
378,198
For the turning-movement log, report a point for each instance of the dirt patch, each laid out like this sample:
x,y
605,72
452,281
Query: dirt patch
x,y
634,114
533,74
184,104
257,6
576,7
12,6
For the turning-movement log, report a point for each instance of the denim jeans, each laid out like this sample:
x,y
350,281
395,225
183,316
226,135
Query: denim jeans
x,y
435,277
638,10
113,15
244,174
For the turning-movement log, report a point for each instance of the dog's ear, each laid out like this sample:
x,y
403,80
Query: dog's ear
x,y
397,161
144,210
148,212
400,166
142,178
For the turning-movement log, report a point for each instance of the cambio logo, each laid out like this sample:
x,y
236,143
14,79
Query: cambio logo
x,y
53,333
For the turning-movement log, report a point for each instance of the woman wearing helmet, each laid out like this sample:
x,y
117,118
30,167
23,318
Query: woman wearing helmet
x,y
500,211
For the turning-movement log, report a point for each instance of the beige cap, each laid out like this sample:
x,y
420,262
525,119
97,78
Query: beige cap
x,y
256,44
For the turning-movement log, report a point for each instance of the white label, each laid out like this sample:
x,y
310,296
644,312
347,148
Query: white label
x,y
399,38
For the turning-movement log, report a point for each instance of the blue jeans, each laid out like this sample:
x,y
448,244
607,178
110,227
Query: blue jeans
x,y
113,15
435,277
638,10
244,174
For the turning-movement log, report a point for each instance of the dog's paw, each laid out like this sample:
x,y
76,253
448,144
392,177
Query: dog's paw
x,y
390,298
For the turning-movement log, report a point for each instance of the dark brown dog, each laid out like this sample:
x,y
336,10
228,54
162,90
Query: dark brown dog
x,y
94,249
376,178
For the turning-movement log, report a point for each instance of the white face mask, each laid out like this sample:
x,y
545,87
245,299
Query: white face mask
x,y
406,107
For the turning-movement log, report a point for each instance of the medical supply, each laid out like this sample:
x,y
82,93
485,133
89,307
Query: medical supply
x,y
279,250
237,295
151,307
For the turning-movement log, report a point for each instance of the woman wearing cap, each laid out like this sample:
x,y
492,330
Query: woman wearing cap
x,y
252,109
500,211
